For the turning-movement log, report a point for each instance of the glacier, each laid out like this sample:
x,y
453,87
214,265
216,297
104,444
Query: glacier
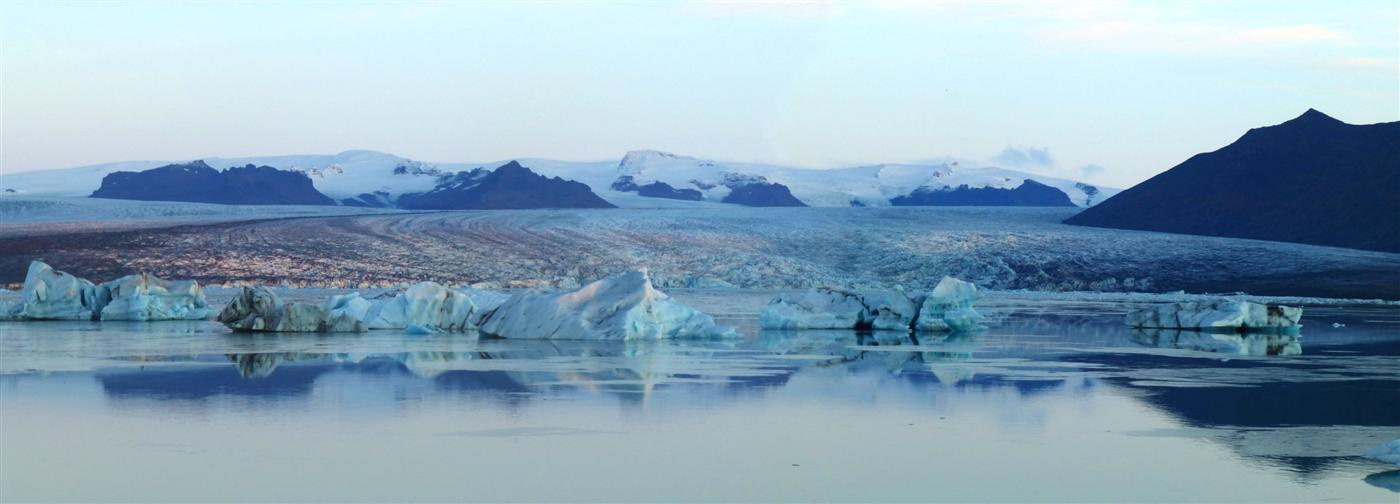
x,y
1219,315
622,307
49,294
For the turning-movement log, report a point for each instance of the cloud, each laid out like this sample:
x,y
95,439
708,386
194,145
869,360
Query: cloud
x,y
789,9
1021,157
1091,170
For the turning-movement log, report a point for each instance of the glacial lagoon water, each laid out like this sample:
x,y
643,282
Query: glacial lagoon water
x,y
1056,401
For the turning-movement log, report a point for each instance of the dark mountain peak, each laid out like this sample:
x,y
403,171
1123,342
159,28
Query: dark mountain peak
x,y
1313,117
508,186
197,182
1313,179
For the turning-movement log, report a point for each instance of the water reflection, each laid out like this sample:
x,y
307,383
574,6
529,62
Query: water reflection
x,y
1259,396
1232,343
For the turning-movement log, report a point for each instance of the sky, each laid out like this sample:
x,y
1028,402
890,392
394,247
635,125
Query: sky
x,y
1108,92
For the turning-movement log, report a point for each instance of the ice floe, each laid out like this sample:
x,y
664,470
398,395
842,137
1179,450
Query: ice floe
x,y
622,307
1220,315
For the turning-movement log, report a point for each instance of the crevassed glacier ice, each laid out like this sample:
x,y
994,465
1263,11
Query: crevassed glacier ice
x,y
948,308
258,309
50,294
148,297
1386,452
1220,315
621,307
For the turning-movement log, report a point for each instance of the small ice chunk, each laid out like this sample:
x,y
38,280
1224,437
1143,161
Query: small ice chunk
x,y
418,330
1230,315
1386,452
622,307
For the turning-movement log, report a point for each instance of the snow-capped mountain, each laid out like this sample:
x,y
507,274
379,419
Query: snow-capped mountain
x,y
874,185
369,178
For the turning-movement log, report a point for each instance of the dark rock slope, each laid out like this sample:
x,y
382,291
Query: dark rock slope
x,y
1313,179
509,186
1029,193
200,183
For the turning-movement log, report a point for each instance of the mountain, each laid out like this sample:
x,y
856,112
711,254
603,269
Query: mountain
x,y
198,182
644,178
1313,179
875,185
509,186
1029,193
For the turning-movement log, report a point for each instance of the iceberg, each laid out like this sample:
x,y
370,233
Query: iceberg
x,y
429,305
1386,452
258,309
821,308
148,297
948,308
1222,315
50,294
622,307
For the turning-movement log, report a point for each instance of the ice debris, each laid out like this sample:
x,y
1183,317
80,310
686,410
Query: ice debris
x,y
948,308
49,294
621,307
1221,315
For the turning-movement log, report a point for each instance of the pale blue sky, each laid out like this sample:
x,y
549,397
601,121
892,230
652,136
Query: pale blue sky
x,y
1130,88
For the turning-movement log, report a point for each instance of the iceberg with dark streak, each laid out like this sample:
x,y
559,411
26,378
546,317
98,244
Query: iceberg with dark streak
x,y
621,307
1221,315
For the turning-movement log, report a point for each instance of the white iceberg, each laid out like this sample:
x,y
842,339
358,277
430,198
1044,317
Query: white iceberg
x,y
1386,452
948,308
622,307
1221,315
147,297
258,309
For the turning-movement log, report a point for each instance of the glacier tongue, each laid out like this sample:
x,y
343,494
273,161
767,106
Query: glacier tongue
x,y
1225,314
621,307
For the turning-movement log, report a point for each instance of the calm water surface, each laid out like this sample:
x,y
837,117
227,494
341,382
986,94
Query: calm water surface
x,y
1055,402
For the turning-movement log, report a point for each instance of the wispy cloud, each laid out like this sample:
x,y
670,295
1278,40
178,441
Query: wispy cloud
x,y
1023,157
